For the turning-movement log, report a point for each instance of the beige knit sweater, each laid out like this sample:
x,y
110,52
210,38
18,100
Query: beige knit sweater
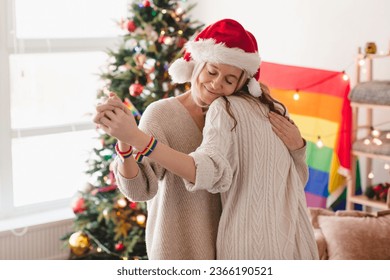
x,y
180,224
264,208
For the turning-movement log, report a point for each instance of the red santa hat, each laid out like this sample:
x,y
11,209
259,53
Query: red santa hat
x,y
227,42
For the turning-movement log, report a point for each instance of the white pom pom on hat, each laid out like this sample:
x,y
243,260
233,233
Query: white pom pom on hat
x,y
254,87
227,42
180,70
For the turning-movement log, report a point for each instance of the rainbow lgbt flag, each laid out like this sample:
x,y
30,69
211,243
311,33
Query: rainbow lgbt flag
x,y
317,101
132,108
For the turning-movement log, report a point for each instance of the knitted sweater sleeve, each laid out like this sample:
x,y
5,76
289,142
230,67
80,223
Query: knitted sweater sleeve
x,y
144,186
213,158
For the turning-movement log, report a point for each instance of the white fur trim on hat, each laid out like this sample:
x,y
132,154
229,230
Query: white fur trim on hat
x,y
254,88
209,51
181,70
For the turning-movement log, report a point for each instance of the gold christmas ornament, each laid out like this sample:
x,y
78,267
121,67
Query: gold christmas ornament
x,y
370,48
79,243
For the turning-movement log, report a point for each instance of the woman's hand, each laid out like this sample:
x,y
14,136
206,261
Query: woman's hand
x,y
287,131
117,120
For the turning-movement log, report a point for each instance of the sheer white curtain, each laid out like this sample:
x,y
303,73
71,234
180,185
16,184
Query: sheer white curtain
x,y
51,54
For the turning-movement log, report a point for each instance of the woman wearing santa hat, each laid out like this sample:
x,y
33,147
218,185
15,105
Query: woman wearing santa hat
x,y
249,153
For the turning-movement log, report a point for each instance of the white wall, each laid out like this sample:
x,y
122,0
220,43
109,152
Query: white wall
x,y
312,33
321,34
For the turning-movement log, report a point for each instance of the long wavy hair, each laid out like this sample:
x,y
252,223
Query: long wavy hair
x,y
265,98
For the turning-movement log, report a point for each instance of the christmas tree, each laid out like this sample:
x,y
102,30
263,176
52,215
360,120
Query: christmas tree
x,y
107,225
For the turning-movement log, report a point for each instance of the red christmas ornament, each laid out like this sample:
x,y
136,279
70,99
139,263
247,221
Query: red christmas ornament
x,y
383,194
161,39
79,206
133,205
180,42
136,89
131,26
378,188
146,3
119,247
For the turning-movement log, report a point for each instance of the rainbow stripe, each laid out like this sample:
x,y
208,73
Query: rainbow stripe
x,y
132,108
123,155
322,109
138,157
148,150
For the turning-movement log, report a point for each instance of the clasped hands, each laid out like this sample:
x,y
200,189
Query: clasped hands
x,y
117,120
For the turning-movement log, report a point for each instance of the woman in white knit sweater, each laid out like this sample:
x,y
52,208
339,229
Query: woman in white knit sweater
x,y
264,213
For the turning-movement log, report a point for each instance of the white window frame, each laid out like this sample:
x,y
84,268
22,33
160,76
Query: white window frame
x,y
8,46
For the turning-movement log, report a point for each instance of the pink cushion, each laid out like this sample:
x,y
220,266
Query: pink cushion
x,y
354,235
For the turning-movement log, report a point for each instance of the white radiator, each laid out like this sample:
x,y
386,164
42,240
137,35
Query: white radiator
x,y
41,242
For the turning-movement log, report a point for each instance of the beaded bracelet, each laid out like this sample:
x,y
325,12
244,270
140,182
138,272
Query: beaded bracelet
x,y
148,150
123,155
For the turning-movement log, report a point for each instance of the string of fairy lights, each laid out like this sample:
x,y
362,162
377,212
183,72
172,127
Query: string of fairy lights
x,y
375,137
375,140
296,96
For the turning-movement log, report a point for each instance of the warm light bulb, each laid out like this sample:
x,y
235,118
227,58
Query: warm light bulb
x,y
168,41
98,249
366,141
370,175
375,133
141,219
179,11
345,77
122,202
319,143
388,135
296,96
387,166
377,141
163,11
361,62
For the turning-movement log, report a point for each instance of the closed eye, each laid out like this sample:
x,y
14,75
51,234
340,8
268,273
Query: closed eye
x,y
230,83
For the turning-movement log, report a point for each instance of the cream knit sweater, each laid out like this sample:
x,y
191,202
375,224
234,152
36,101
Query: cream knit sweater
x,y
264,208
180,224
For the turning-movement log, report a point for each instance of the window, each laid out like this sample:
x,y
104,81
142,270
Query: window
x,y
51,52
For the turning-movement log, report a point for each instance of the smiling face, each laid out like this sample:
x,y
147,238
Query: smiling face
x,y
216,80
